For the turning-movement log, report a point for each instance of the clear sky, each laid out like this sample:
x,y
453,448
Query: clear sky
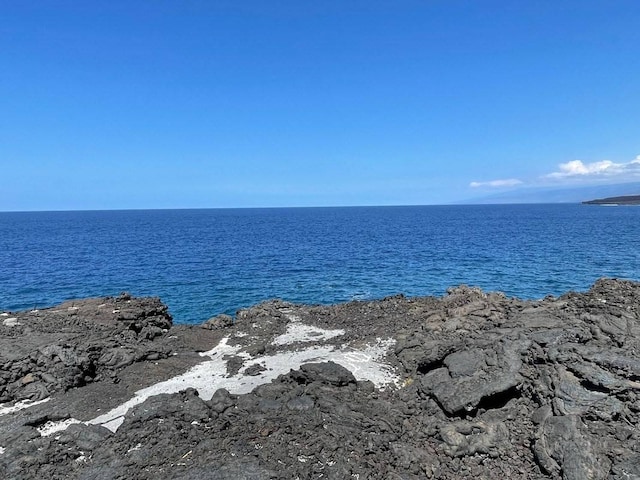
x,y
177,104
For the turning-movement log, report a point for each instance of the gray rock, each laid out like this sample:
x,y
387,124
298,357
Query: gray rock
x,y
329,372
468,438
218,322
564,446
491,387
473,381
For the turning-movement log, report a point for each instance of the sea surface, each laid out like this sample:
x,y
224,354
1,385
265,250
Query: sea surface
x,y
205,262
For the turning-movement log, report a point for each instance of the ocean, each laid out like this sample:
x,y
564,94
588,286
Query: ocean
x,y
210,261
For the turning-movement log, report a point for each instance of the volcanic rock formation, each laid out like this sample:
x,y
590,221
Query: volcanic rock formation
x,y
471,385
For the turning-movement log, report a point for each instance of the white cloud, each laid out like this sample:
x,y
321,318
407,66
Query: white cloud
x,y
604,168
572,172
508,182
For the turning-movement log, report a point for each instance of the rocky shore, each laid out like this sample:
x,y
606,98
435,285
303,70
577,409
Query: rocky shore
x,y
471,385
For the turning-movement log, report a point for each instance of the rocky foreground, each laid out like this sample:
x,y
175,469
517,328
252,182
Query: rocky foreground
x,y
471,385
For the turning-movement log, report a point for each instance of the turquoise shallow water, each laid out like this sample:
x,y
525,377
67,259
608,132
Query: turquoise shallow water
x,y
204,262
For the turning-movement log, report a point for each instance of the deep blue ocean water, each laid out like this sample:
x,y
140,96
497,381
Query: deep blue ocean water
x,y
205,262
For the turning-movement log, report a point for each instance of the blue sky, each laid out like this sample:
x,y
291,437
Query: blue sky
x,y
166,104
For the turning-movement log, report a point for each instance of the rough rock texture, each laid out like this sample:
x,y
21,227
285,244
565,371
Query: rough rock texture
x,y
45,351
490,387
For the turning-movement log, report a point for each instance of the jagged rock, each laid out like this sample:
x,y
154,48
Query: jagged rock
x,y
329,372
487,387
468,438
565,447
70,345
467,379
84,437
217,322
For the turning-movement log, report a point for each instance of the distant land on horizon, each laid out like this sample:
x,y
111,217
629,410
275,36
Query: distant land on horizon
x,y
579,194
622,200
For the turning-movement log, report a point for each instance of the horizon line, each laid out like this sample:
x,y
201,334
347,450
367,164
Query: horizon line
x,y
138,209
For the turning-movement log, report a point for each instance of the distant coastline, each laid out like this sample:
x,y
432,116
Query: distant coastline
x,y
622,200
